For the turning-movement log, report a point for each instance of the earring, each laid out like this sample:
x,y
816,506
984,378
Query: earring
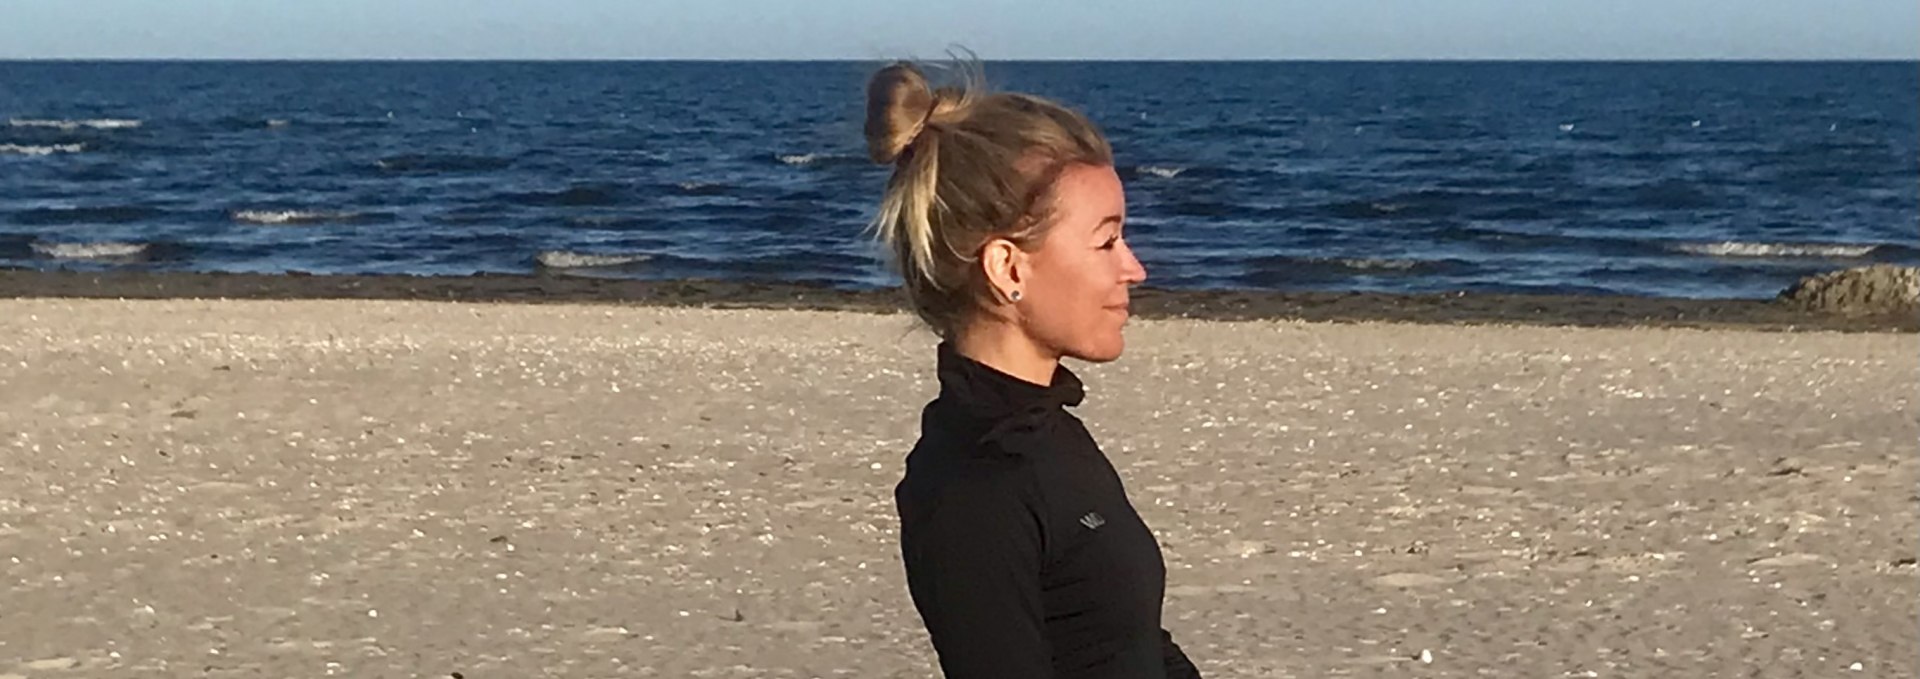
x,y
1015,295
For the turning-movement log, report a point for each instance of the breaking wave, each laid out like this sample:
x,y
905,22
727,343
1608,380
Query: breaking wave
x,y
100,250
285,217
1740,249
72,125
24,150
567,259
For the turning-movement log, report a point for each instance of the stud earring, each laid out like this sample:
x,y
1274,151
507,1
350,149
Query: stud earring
x,y
1015,295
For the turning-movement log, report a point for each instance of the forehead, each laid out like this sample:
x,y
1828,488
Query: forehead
x,y
1087,195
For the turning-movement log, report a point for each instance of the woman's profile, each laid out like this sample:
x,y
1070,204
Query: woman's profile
x,y
1005,218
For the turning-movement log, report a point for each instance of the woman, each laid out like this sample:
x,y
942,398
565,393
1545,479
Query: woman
x,y
1023,555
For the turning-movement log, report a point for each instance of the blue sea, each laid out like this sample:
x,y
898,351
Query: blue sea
x,y
1661,179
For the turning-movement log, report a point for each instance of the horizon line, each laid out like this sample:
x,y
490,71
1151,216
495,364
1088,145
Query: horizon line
x,y
845,60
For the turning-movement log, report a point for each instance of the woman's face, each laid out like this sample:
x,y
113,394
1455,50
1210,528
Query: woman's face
x,y
1074,297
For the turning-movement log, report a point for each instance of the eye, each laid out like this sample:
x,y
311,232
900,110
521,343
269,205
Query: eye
x,y
1110,243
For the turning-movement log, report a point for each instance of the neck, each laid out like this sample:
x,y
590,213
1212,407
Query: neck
x,y
1003,347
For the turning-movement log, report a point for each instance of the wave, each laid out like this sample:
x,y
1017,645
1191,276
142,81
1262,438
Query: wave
x,y
617,221
1520,213
817,159
1448,202
584,195
1285,271
1522,243
1202,172
1354,265
245,123
774,262
701,188
283,217
567,259
1674,195
421,162
1370,264
48,150
72,125
1366,209
99,250
1200,207
1426,203
468,215
346,123
596,220
1740,249
96,173
1210,132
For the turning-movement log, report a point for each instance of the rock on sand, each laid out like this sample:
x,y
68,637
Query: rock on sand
x,y
1870,290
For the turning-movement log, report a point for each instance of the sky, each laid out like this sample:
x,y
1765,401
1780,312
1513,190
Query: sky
x,y
994,29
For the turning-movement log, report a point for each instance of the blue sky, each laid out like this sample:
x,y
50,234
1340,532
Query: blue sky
x,y
996,29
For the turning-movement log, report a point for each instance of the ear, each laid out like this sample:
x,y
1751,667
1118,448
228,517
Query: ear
x,y
1005,266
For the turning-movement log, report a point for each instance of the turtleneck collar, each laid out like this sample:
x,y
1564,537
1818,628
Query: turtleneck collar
x,y
988,395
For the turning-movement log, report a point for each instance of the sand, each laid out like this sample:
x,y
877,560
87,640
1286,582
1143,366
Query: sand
x,y
398,489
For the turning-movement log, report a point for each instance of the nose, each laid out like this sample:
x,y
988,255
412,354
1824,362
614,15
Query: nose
x,y
1132,272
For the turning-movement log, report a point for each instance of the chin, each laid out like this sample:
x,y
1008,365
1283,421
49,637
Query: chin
x,y
1104,350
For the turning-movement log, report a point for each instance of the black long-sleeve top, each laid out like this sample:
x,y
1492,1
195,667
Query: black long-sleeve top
x,y
1023,556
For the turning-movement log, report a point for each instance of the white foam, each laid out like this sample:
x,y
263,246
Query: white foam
x,y
1388,264
103,250
799,158
1738,249
1162,171
278,122
71,125
278,217
565,259
16,149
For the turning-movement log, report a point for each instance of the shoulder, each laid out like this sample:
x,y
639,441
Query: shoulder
x,y
947,481
970,507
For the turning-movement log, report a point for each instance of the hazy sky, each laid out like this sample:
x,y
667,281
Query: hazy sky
x,y
996,29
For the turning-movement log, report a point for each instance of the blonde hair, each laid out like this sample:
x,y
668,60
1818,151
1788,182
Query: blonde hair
x,y
968,166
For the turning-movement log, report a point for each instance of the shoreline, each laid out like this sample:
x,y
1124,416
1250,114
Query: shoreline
x,y
1464,308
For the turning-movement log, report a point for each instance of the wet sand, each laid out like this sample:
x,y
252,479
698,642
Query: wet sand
x,y
384,488
1150,303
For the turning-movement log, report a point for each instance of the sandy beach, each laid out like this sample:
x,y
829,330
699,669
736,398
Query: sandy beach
x,y
303,488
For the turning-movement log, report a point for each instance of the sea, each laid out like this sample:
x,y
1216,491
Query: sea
x,y
1684,179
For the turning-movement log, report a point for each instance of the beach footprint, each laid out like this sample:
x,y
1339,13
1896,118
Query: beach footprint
x,y
50,664
1788,561
1408,580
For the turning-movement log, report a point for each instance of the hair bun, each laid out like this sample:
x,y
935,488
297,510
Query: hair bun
x,y
899,101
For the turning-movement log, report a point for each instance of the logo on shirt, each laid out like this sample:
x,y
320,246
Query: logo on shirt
x,y
1093,521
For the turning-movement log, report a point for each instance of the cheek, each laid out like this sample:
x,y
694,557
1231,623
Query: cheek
x,y
1083,283
1078,286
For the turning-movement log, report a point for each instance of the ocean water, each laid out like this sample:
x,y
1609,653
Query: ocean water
x,y
1664,179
